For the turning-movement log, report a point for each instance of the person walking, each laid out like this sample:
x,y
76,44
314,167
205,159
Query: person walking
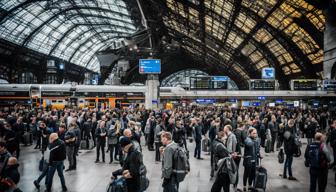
x,y
56,158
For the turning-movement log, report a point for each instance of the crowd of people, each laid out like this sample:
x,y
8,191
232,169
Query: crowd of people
x,y
230,134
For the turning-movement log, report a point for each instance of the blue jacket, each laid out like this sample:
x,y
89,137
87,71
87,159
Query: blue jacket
x,y
252,151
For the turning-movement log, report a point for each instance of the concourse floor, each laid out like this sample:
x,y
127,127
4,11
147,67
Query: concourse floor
x,y
94,177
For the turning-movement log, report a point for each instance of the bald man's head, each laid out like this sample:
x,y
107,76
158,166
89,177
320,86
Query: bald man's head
x,y
53,137
128,133
12,161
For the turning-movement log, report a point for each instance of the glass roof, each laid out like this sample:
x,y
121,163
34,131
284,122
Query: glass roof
x,y
266,32
66,29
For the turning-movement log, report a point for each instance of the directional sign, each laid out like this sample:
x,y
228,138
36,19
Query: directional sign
x,y
219,78
268,73
149,66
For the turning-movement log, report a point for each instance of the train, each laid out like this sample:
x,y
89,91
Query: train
x,y
67,95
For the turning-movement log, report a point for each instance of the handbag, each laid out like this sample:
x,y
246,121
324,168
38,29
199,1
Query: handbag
x,y
281,156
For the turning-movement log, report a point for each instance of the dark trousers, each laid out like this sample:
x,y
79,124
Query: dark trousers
x,y
222,181
38,142
318,176
157,151
57,165
288,165
197,152
113,148
249,174
237,161
170,185
74,156
334,150
100,146
274,138
93,138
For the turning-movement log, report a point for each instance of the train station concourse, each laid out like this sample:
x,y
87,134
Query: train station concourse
x,y
167,95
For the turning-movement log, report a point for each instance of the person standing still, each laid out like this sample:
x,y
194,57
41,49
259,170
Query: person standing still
x,y
167,150
101,134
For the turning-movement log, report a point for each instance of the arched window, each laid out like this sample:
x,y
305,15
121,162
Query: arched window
x,y
27,77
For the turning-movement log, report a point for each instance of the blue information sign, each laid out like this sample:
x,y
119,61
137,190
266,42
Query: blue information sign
x,y
268,73
149,66
220,78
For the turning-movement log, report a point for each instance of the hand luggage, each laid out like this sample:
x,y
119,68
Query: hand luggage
x,y
117,185
205,145
261,178
27,138
268,146
83,145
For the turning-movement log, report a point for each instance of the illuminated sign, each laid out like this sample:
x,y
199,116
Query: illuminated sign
x,y
149,66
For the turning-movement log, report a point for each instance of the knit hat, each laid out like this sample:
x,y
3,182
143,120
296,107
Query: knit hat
x,y
124,141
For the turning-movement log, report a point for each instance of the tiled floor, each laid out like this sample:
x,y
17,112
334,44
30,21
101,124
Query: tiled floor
x,y
92,177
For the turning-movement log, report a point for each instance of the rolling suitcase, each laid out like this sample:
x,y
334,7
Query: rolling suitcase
x,y
268,146
83,145
205,145
261,178
27,138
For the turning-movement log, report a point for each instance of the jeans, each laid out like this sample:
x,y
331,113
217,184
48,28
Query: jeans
x,y
197,152
319,176
170,185
222,181
43,174
249,174
59,166
288,165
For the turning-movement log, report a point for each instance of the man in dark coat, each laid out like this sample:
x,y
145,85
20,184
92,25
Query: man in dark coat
x,y
131,166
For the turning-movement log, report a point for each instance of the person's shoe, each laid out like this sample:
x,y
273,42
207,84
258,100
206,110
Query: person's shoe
x,y
110,162
292,178
103,161
68,169
244,189
200,158
283,176
64,189
36,185
97,161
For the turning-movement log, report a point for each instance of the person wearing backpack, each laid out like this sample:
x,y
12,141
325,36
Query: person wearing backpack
x,y
317,158
170,183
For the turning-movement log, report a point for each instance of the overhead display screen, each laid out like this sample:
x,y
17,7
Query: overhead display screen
x,y
268,73
149,66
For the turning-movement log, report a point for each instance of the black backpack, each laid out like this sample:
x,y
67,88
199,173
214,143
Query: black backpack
x,y
117,185
144,181
313,159
181,165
